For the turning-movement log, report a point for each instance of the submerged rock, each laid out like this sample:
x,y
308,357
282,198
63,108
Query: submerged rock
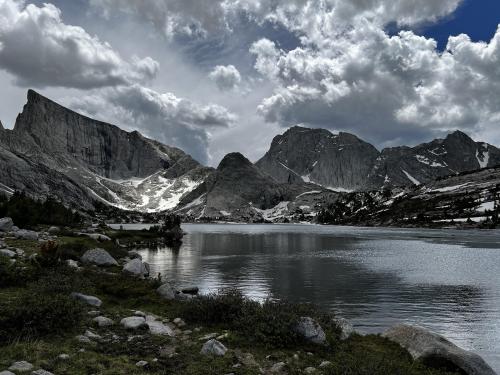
x,y
432,349
98,257
310,330
213,347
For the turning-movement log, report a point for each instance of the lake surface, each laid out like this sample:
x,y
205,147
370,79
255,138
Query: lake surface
x,y
445,280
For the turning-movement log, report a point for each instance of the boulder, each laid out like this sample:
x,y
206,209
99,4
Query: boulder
x,y
133,322
159,329
21,366
6,224
41,372
89,300
6,373
136,268
166,291
432,348
213,347
99,257
97,236
346,328
310,330
102,321
7,253
54,230
23,234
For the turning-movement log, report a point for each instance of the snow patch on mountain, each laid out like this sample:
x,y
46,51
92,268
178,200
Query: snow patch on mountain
x,y
484,158
411,178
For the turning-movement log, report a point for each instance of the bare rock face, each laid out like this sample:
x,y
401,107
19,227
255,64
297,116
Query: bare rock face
x,y
316,155
405,166
53,151
345,162
433,348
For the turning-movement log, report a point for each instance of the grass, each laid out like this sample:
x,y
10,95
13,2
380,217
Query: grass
x,y
38,297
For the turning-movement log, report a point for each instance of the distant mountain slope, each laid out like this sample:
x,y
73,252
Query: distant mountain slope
x,y
470,197
343,162
61,149
239,191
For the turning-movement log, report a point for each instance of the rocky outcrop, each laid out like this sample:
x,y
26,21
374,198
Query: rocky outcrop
x,y
310,330
435,350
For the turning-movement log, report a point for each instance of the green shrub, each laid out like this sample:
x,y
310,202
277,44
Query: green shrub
x,y
35,315
270,324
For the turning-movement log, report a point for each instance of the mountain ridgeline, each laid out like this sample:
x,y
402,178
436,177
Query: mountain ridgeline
x,y
55,152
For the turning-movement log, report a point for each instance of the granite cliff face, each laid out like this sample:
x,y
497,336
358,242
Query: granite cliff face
x,y
340,162
55,151
343,162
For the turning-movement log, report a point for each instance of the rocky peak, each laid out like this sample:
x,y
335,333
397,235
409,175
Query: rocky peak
x,y
319,156
234,160
57,134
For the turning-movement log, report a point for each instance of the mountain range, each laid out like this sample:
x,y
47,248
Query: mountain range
x,y
53,151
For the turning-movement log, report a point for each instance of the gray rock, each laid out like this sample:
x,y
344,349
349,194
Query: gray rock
x,y
89,300
310,330
166,291
21,366
97,236
72,263
24,234
102,321
345,327
325,364
277,367
63,356
7,253
99,257
6,224
430,347
54,230
213,347
83,339
14,229
91,335
133,322
159,329
6,373
41,372
141,364
309,370
136,268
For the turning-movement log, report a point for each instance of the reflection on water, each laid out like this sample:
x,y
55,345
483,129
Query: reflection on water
x,y
444,280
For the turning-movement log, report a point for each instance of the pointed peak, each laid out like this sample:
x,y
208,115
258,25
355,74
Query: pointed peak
x,y
1,126
457,134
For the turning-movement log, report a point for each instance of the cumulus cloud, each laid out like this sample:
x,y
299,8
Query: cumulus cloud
x,y
40,50
163,116
354,76
225,77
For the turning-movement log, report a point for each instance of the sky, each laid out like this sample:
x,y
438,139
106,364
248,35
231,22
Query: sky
x,y
218,76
